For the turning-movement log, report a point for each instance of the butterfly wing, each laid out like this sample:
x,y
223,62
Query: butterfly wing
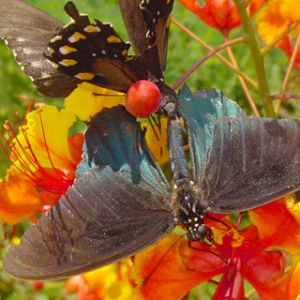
x,y
103,217
200,111
152,18
251,161
95,53
27,31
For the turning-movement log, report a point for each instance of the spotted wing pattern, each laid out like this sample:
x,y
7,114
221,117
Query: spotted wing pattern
x,y
151,40
104,216
94,52
157,17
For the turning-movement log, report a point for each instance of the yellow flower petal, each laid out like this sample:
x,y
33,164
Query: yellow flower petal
x,y
293,206
45,139
290,10
87,100
157,140
112,281
271,22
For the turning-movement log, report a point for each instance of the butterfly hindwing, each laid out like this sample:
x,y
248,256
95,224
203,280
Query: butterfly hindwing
x,y
200,111
95,53
251,161
27,31
102,218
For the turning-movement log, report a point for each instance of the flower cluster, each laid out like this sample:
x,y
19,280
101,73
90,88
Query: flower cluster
x,y
263,249
258,253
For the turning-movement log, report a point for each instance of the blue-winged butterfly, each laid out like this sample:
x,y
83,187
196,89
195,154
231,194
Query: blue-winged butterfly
x,y
121,201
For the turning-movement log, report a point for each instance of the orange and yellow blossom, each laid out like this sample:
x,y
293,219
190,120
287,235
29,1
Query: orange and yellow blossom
x,y
43,161
112,282
220,14
44,158
253,254
274,19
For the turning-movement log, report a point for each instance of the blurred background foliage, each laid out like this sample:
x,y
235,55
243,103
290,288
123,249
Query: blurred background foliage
x,y
16,89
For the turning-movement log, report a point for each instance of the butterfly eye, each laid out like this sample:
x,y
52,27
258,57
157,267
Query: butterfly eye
x,y
143,99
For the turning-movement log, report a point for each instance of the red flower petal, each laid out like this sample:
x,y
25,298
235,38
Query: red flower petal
x,y
172,268
277,226
231,286
263,270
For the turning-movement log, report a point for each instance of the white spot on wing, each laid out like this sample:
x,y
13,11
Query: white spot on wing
x,y
36,64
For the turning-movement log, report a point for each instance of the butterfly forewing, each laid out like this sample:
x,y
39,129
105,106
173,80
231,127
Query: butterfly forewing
x,y
102,218
27,31
95,53
157,17
151,40
251,161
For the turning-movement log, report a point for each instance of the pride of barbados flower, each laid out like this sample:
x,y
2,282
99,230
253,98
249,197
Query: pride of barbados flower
x,y
274,19
265,253
112,282
220,14
43,160
44,155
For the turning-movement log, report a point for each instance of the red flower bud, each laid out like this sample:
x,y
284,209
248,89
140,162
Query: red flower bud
x,y
143,99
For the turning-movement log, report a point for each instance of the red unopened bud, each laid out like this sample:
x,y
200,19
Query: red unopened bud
x,y
38,285
143,99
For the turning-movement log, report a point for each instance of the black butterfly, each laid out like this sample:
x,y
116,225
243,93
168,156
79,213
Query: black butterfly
x,y
85,51
121,201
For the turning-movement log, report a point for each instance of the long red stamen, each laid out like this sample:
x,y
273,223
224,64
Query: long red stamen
x,y
53,179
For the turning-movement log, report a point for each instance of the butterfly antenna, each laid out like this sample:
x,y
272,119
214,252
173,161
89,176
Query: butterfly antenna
x,y
144,282
107,95
73,12
207,250
201,250
218,220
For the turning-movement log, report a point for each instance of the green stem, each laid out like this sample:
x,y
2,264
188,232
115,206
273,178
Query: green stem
x,y
257,58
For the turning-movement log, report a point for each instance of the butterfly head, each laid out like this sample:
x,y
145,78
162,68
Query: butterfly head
x,y
191,214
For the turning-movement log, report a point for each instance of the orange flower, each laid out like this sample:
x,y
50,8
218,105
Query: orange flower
x,y
274,19
108,283
253,254
220,14
44,157
43,160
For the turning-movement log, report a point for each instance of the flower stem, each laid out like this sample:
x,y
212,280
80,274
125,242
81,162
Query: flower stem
x,y
257,58
218,55
242,81
288,72
227,44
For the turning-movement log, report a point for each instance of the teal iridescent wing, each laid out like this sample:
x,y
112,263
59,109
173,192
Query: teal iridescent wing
x,y
239,162
201,111
104,216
